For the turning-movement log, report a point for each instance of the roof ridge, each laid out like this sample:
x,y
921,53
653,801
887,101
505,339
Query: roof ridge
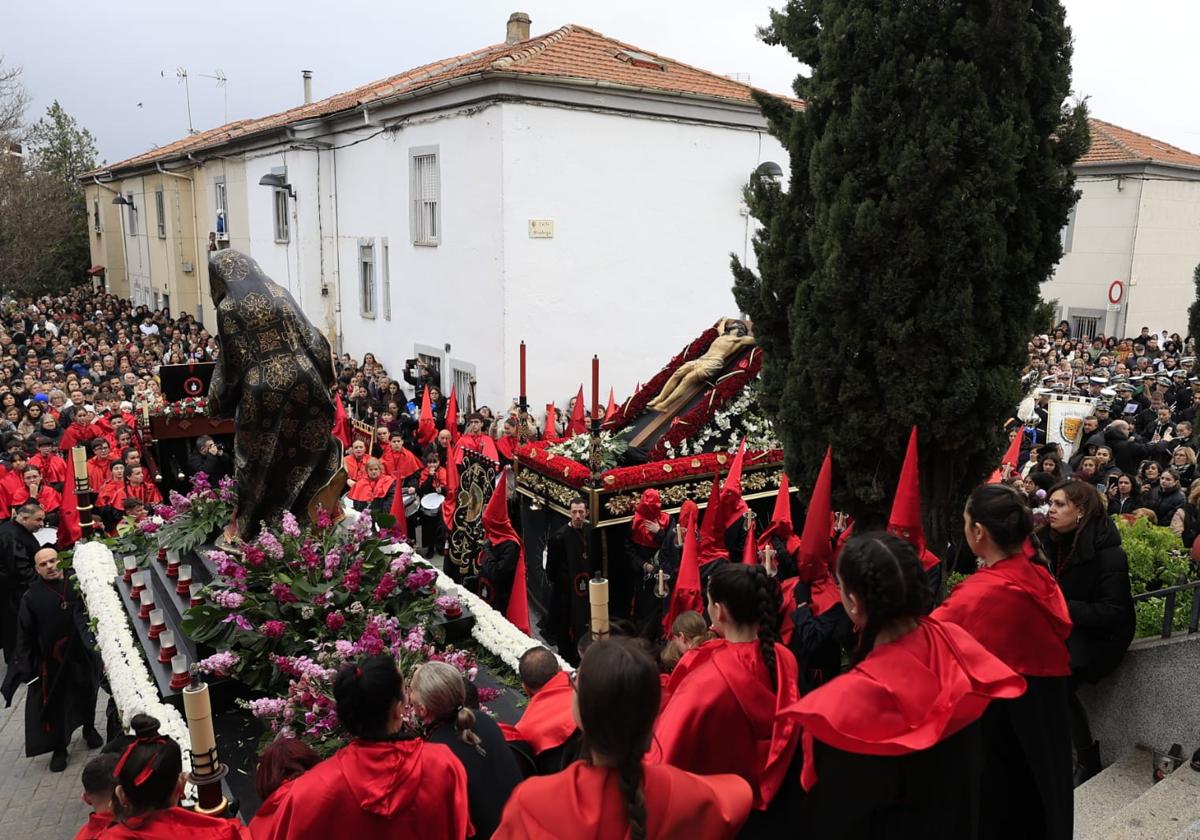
x,y
538,46
1162,144
1106,128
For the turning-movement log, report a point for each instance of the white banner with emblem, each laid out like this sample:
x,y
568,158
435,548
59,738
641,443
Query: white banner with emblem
x,y
1066,413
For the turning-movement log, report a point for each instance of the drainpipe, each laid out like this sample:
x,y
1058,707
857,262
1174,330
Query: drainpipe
x,y
195,226
121,223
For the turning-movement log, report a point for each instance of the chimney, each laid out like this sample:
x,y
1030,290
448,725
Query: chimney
x,y
518,28
307,74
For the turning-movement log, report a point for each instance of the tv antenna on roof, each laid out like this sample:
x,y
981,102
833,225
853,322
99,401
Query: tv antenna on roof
x,y
222,83
181,74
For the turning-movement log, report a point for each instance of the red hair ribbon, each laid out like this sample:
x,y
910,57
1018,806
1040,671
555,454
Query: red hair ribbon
x,y
150,765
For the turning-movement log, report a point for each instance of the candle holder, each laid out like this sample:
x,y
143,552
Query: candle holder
x,y
194,594
184,582
162,555
137,584
173,566
179,671
147,600
130,567
158,623
166,646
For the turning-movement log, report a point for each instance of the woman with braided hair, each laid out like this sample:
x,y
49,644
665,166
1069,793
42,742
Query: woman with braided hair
x,y
1012,605
893,747
722,712
149,783
385,783
611,794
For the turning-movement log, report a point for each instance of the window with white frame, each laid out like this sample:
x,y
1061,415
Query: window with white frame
x,y
282,232
385,277
96,214
1068,231
220,201
131,213
160,213
425,189
366,278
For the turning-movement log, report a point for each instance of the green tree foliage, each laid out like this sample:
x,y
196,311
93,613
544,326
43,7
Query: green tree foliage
x,y
1194,309
898,275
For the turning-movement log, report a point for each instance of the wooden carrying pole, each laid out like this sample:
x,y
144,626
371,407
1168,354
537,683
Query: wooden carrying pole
x,y
598,598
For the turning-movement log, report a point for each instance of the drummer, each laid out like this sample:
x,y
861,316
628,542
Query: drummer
x,y
374,490
430,480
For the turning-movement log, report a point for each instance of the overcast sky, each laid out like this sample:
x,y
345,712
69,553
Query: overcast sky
x,y
106,62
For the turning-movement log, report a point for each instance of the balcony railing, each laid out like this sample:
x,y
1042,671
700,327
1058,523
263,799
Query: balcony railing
x,y
1169,596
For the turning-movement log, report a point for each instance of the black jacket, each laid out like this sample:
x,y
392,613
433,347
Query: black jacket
x,y
1165,504
1093,572
1129,453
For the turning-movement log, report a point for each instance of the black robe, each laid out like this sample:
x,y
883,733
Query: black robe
x,y
817,642
648,607
928,794
569,566
54,645
1027,785
497,571
273,378
17,547
491,776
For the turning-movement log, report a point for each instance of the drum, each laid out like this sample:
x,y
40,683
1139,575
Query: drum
x,y
412,503
431,504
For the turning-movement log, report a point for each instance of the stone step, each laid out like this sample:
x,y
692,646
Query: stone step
x,y
1167,810
1106,793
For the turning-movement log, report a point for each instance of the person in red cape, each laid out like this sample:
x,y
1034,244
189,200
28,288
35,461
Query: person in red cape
x,y
341,421
550,432
1010,459
685,594
97,778
356,462
905,518
1013,607
610,410
780,535
282,762
547,736
141,488
611,794
894,746
82,429
509,441
374,490
426,427
712,546
578,422
150,780
51,465
503,553
815,625
35,488
450,421
725,695
98,464
398,462
651,549
14,481
476,441
385,782
733,506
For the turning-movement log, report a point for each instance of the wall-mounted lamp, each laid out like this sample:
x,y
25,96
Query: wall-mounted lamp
x,y
770,171
276,181
125,201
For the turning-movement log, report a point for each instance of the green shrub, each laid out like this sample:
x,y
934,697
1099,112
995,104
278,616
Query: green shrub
x,y
1156,560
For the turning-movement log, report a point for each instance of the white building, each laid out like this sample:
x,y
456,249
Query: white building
x,y
1133,240
569,190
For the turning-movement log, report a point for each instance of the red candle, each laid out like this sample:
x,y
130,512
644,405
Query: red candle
x,y
523,392
595,387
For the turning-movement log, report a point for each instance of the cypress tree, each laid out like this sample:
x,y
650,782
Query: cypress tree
x,y
898,275
1193,328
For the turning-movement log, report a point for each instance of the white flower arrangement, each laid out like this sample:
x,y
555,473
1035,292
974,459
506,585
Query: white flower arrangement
x,y
741,417
133,690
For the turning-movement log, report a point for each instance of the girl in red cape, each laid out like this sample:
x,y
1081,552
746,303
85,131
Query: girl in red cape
x,y
374,490
283,761
725,695
1014,608
150,779
612,795
894,747
385,782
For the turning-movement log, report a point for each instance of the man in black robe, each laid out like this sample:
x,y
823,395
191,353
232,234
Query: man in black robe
x,y
17,547
273,378
569,567
55,656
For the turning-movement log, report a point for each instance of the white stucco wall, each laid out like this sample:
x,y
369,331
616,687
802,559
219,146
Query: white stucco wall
x,y
645,213
1167,252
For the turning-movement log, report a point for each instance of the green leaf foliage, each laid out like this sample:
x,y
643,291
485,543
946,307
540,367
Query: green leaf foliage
x,y
898,275
1194,309
1156,560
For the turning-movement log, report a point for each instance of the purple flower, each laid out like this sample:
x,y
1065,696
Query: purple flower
x,y
344,648
448,605
415,639
270,545
324,518
266,707
273,629
353,577
219,664
147,526
254,555
386,586
200,481
240,621
228,600
420,578
335,621
401,563
291,527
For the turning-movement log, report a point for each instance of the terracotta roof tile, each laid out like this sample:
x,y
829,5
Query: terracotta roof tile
x,y
1113,144
573,52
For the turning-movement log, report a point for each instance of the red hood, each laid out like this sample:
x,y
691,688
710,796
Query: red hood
x,y
384,776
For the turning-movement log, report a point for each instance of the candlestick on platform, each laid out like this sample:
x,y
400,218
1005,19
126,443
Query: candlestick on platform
x,y
158,623
595,387
522,391
598,599
130,563
184,582
195,598
179,671
207,769
146,599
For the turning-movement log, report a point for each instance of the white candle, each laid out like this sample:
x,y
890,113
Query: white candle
x,y
195,589
138,579
156,618
166,640
147,598
179,663
185,573
172,557
130,563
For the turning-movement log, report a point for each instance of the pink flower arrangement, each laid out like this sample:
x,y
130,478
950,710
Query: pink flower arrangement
x,y
419,579
270,545
228,599
290,526
335,621
282,593
273,629
219,664
386,586
448,605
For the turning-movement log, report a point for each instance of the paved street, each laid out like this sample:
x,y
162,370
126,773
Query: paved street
x,y
36,804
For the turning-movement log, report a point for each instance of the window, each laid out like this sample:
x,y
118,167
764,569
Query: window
x,y
366,279
131,212
281,215
1068,231
160,213
386,278
426,196
96,214
1086,323
222,205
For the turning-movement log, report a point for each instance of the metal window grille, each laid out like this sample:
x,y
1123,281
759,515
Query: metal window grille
x,y
366,275
1085,326
426,191
96,214
222,205
282,230
160,213
386,280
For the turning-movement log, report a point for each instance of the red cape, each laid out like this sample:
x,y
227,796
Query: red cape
x,y
824,594
356,468
649,509
482,444
376,789
366,490
585,803
263,823
176,824
400,465
722,716
906,696
96,823
548,721
1015,610
341,422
